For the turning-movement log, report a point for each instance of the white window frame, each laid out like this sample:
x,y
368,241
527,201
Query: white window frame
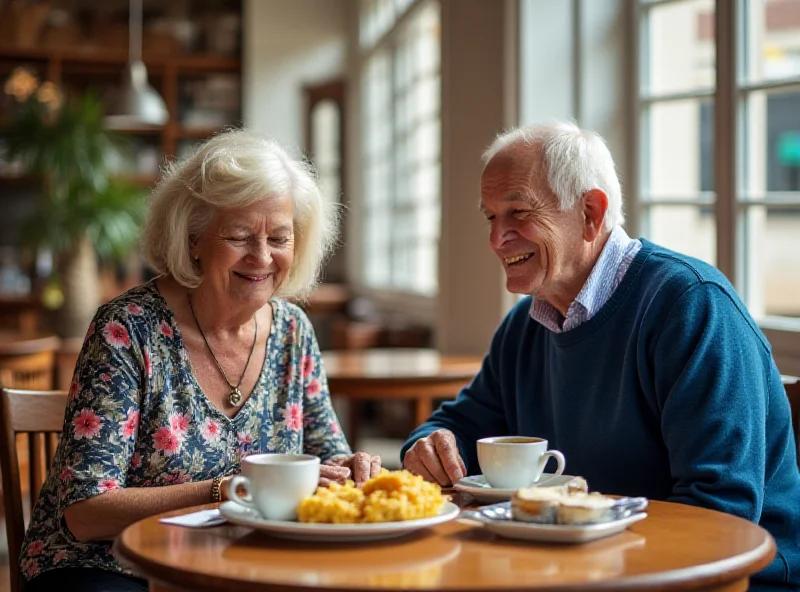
x,y
729,199
417,305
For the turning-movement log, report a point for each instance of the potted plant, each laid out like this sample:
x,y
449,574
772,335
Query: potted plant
x,y
83,212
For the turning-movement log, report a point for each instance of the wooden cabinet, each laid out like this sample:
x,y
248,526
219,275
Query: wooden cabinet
x,y
77,70
192,52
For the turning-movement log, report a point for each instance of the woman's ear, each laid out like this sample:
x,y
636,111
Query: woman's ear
x,y
595,206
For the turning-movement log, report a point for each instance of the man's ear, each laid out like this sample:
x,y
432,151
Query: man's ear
x,y
595,206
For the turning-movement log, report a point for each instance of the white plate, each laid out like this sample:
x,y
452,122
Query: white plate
x,y
478,488
551,533
332,533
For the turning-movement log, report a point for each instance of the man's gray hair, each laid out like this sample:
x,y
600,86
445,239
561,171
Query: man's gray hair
x,y
236,169
575,160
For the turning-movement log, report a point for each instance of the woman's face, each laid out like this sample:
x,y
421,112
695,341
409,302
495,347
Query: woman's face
x,y
246,253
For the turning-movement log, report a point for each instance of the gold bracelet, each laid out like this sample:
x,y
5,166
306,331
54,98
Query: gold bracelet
x,y
216,489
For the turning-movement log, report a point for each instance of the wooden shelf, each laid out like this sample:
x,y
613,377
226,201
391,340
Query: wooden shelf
x,y
17,180
206,63
144,131
96,55
139,180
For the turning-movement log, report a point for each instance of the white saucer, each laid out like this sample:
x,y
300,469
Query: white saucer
x,y
330,533
477,487
551,533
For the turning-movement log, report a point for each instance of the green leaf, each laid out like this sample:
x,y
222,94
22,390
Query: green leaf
x,y
71,152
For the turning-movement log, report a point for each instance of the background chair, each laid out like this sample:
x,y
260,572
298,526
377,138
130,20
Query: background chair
x,y
29,360
792,386
40,415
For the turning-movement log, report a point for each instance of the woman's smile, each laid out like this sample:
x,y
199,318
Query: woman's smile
x,y
253,277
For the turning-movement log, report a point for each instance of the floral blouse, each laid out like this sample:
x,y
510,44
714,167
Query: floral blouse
x,y
136,417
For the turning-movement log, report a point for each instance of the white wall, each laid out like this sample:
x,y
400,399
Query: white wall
x,y
289,44
477,104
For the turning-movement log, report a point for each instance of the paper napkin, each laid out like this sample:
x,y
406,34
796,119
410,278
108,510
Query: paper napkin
x,y
198,519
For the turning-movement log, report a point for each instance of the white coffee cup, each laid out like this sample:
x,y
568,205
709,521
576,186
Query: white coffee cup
x,y
514,462
275,483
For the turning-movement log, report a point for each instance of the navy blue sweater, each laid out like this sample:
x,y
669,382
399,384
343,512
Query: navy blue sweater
x,y
669,392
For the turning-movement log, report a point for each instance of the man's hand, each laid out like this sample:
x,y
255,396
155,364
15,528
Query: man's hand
x,y
436,458
362,466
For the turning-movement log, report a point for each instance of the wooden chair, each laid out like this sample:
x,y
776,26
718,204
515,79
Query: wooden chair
x,y
792,386
40,415
22,313
29,359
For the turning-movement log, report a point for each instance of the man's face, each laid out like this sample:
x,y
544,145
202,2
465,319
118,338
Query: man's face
x,y
538,244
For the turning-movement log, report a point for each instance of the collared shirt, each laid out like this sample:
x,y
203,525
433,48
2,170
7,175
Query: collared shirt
x,y
605,277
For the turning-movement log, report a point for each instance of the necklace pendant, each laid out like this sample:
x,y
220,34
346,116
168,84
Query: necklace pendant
x,y
235,397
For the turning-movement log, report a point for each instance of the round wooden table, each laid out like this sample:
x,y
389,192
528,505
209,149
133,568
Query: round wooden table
x,y
676,547
417,375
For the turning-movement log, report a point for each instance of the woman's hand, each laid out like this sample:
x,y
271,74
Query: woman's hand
x,y
223,488
361,466
333,473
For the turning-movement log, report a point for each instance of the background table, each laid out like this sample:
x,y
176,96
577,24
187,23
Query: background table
x,y
417,375
676,547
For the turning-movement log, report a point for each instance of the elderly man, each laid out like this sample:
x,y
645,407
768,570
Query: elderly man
x,y
640,364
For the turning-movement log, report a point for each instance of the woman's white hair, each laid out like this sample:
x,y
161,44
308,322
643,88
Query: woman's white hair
x,y
231,170
575,161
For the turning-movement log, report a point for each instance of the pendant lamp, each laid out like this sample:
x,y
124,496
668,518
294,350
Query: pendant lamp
x,y
138,105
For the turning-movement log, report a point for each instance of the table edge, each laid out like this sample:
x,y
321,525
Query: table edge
x,y
734,569
371,381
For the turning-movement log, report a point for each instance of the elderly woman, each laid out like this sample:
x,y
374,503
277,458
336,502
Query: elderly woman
x,y
181,377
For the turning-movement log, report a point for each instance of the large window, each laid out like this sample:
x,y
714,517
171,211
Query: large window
x,y
737,205
400,144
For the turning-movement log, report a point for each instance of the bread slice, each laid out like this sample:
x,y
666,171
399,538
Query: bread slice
x,y
576,485
537,504
584,508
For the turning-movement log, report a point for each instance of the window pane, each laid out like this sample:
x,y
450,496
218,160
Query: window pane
x,y
400,167
772,143
376,17
678,162
772,29
426,183
377,227
772,248
427,221
687,229
680,47
403,252
325,121
427,266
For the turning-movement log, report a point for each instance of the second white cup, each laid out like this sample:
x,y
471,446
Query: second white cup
x,y
275,483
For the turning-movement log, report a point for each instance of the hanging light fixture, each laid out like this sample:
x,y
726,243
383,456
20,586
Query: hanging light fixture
x,y
138,105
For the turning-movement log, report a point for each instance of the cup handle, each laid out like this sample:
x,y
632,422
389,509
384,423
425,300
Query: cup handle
x,y
233,495
559,459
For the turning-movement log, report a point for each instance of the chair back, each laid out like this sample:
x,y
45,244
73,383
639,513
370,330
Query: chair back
x,y
28,360
30,371
792,386
40,415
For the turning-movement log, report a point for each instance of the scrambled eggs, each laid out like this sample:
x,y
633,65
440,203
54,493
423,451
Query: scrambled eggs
x,y
388,497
